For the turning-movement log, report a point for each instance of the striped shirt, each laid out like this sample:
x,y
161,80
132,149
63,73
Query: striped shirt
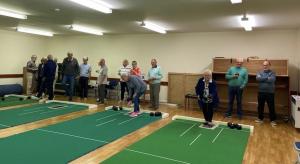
x,y
124,70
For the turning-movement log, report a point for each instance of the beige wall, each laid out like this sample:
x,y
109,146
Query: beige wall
x,y
15,51
183,52
189,52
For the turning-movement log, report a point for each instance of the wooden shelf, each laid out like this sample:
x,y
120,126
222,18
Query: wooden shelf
x,y
250,84
282,88
254,103
250,74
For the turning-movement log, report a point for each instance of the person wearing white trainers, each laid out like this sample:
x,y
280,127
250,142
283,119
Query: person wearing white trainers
x,y
266,88
139,87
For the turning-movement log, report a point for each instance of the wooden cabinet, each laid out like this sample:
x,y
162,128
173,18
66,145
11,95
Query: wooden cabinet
x,y
220,67
181,84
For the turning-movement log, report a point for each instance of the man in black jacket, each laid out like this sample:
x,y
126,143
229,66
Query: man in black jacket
x,y
49,75
40,74
70,70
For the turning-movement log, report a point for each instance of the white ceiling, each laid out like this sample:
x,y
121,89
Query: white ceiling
x,y
174,15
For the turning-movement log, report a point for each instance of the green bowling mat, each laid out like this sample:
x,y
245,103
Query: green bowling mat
x,y
183,141
23,115
14,100
67,141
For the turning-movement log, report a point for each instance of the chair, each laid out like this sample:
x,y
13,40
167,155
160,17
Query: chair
x,y
297,148
112,89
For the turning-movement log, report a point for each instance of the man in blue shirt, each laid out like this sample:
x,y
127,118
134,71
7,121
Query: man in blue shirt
x,y
154,78
85,74
266,89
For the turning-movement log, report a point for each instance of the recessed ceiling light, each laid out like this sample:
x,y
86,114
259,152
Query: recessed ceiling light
x,y
153,27
95,4
236,1
85,29
247,23
12,13
34,31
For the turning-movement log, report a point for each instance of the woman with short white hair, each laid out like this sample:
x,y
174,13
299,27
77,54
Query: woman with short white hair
x,y
206,90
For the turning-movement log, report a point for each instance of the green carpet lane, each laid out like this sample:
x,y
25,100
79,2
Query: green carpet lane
x,y
67,141
107,125
22,115
13,101
184,142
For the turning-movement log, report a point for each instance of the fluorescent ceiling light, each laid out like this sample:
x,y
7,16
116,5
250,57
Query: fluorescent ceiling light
x,y
11,13
86,29
34,31
153,27
95,4
236,1
247,23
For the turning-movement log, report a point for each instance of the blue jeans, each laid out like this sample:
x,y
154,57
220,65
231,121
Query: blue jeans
x,y
136,101
69,81
235,91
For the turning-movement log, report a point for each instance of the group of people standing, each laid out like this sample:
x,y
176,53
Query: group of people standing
x,y
131,80
41,78
237,77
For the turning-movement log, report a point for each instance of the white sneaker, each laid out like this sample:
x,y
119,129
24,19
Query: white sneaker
x,y
259,121
273,123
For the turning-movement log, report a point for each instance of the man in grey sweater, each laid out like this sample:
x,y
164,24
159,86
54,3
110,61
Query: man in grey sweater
x,y
266,89
31,75
70,70
136,84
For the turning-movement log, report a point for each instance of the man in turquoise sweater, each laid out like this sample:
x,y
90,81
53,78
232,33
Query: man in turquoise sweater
x,y
154,78
237,77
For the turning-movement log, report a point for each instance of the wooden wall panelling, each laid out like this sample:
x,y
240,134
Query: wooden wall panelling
x,y
176,88
220,67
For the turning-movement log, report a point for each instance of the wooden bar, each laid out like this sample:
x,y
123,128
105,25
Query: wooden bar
x,y
282,85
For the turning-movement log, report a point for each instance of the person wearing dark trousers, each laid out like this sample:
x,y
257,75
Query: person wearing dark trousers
x,y
206,90
102,81
124,89
139,87
70,70
40,75
237,77
85,74
125,69
49,76
266,90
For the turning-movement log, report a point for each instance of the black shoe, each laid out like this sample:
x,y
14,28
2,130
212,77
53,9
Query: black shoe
x,y
240,117
227,116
